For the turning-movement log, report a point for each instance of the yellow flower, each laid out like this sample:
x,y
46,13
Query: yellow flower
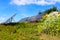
x,y
45,16
58,12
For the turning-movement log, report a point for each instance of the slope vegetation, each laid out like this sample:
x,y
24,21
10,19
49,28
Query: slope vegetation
x,y
48,28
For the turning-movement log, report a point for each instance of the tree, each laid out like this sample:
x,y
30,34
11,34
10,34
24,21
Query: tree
x,y
40,12
54,8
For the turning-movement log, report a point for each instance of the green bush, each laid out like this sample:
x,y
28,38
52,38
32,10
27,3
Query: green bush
x,y
51,25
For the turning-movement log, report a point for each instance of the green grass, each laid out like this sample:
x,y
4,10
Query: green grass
x,y
20,31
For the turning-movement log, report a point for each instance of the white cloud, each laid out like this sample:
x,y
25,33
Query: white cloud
x,y
2,19
37,2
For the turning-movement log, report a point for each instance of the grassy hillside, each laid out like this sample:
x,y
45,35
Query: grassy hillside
x,y
48,28
20,31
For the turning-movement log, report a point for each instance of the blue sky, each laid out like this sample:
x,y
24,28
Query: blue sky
x,y
24,8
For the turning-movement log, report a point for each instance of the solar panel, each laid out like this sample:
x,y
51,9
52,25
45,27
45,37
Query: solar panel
x,y
10,19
